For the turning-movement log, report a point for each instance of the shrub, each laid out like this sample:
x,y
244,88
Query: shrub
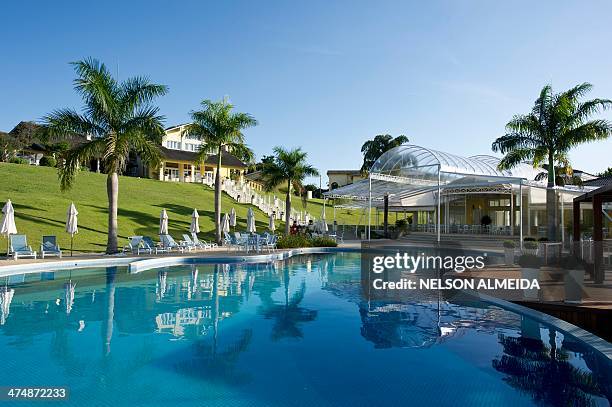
x,y
296,241
529,239
530,261
293,241
401,224
531,245
323,241
543,239
509,244
47,161
19,160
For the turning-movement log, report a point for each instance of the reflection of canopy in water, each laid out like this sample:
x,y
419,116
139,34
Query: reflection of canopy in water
x,y
424,323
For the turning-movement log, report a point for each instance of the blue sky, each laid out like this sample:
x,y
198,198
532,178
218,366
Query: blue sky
x,y
323,75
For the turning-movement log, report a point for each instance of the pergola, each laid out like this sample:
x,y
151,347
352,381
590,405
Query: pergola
x,y
409,171
597,198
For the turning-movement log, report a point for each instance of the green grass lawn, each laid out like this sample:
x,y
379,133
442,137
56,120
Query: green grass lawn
x,y
40,207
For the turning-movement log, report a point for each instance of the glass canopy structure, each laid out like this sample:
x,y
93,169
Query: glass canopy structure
x,y
411,176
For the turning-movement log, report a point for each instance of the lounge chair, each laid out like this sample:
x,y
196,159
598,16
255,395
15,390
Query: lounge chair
x,y
227,241
18,247
195,239
148,244
190,244
169,244
49,247
135,245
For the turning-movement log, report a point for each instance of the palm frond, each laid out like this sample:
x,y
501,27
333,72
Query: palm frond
x,y
65,123
70,162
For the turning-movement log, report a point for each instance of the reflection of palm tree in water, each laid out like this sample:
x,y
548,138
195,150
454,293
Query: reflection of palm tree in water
x,y
289,315
107,322
545,373
206,360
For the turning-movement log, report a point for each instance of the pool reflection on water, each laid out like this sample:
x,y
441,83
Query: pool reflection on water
x,y
296,332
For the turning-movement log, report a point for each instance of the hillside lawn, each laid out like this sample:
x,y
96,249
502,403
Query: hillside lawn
x,y
40,207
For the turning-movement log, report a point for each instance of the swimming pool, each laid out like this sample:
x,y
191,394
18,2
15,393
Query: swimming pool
x,y
292,332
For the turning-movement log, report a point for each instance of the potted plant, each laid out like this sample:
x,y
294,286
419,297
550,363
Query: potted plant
x,y
573,278
530,247
530,270
509,247
400,229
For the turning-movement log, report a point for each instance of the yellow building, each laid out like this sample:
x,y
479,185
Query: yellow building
x,y
180,160
340,178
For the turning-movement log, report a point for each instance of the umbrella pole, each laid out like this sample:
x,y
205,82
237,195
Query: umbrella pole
x,y
71,238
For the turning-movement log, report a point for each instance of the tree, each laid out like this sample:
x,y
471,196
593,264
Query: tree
x,y
606,173
289,167
373,149
556,123
119,117
220,129
563,176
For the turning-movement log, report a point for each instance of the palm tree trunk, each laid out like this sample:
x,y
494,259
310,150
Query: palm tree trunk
x,y
288,208
551,201
218,199
112,191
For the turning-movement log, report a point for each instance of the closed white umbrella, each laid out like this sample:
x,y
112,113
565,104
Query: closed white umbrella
x,y
6,297
232,218
69,295
271,225
323,222
225,224
72,223
8,226
163,222
251,221
194,228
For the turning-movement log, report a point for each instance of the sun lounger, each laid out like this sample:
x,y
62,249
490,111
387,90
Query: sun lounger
x,y
148,244
195,239
49,247
170,244
135,245
18,247
189,244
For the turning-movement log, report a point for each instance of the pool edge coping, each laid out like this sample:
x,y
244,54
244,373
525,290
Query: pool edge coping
x,y
599,344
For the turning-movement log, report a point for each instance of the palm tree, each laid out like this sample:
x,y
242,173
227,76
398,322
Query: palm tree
x,y
556,123
290,167
220,129
118,118
372,149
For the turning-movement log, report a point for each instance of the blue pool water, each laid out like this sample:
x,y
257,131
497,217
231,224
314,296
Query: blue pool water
x,y
296,332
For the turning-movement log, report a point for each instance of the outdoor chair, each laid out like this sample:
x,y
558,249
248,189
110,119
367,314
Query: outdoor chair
x,y
189,244
135,245
149,245
207,245
227,240
49,247
18,247
253,242
170,244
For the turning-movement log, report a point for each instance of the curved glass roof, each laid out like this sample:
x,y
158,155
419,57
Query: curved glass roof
x,y
411,161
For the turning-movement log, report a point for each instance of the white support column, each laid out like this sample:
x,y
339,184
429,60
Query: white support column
x,y
521,214
369,205
511,211
562,220
438,226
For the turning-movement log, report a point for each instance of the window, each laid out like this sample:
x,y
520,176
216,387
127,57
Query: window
x,y
173,144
